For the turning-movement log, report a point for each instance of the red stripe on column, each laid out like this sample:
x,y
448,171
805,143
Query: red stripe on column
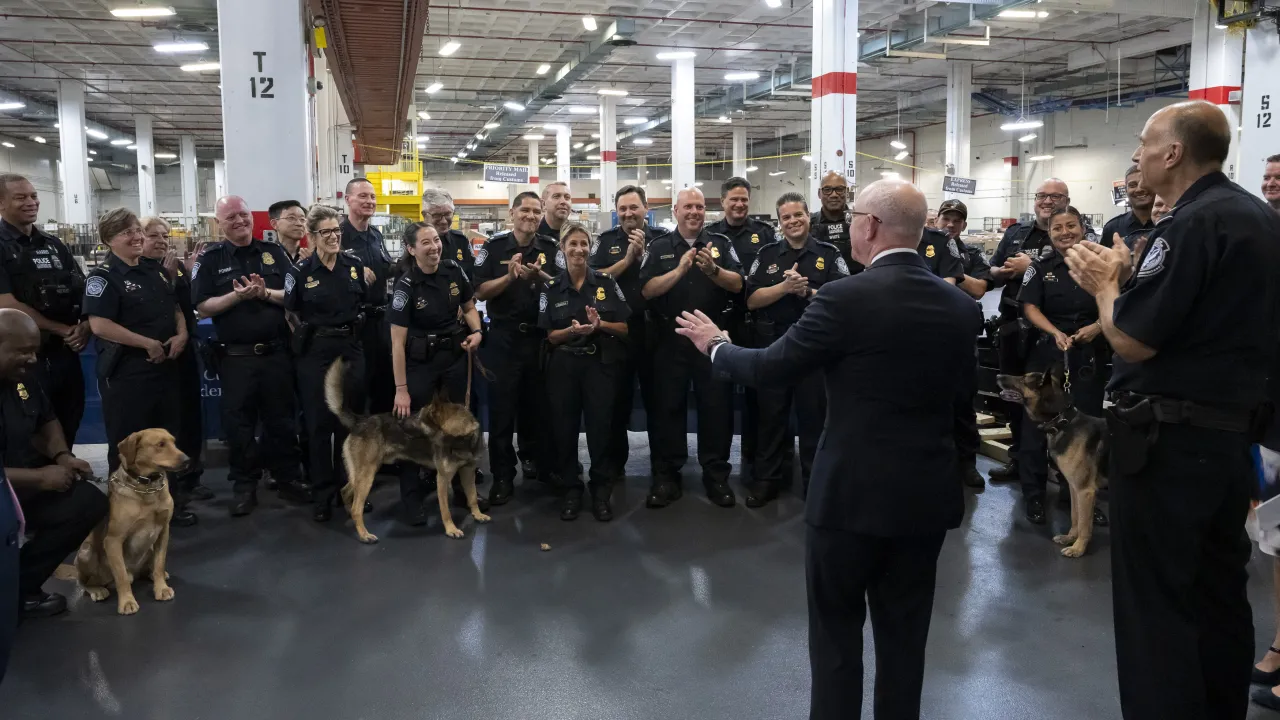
x,y
1011,160
835,83
533,180
1220,95
609,155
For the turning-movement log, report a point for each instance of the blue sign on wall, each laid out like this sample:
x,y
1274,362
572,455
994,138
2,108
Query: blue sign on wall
x,y
506,173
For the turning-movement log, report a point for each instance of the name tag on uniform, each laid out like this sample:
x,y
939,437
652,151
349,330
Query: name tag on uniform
x,y
562,303
666,257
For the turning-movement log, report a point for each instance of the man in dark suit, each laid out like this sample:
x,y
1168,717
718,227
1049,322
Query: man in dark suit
x,y
896,347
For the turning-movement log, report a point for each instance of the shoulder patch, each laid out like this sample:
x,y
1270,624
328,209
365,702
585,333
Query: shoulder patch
x,y
542,302
560,259
618,289
399,300
841,265
195,269
755,266
1030,273
1154,262
595,245
481,256
734,254
289,282
95,286
953,249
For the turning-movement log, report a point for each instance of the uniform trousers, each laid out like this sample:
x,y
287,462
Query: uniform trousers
x,y
1184,628
190,434
325,434
517,397
444,372
847,573
379,380
9,599
1087,387
682,364
809,399
580,388
57,523
965,431
1013,361
64,380
139,402
638,367
259,389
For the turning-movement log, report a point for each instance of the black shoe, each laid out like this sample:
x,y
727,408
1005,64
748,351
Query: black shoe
x,y
972,478
663,494
244,503
760,494
460,498
295,491
529,469
200,492
1035,511
500,492
415,513
269,482
42,605
1100,520
721,494
601,509
322,511
570,506
1265,698
1261,677
183,518
1005,473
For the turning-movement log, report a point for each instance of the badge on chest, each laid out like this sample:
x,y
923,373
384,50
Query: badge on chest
x,y
599,293
821,264
131,286
22,392
267,259
453,289
312,282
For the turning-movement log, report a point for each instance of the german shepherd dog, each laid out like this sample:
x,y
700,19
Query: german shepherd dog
x,y
443,436
1078,444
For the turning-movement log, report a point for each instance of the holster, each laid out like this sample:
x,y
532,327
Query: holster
x,y
302,337
109,359
1133,431
422,348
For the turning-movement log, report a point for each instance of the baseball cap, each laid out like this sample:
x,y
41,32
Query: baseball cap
x,y
954,206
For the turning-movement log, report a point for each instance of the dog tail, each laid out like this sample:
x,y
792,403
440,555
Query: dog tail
x,y
333,395
66,572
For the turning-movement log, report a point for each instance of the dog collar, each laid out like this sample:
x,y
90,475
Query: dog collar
x,y
142,485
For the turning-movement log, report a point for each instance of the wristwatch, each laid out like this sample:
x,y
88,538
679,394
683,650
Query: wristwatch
x,y
714,341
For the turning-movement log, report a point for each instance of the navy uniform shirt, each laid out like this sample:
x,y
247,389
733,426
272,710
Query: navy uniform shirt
x,y
519,302
1205,297
250,321
941,254
24,409
611,247
429,304
139,298
835,232
975,266
695,291
39,270
747,238
545,230
1023,237
366,246
560,304
181,290
1127,226
456,247
820,262
324,297
1047,284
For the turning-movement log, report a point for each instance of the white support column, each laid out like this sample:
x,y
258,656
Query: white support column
x,y
534,161
1260,109
1217,61
682,107
562,153
835,91
608,153
740,152
1012,163
145,141
190,191
335,153
642,171
75,153
265,119
219,178
959,114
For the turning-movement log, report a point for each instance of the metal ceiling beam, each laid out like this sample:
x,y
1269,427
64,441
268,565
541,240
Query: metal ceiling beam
x,y
1100,53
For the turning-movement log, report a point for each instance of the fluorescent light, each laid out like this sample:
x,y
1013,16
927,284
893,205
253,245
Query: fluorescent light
x,y
635,121
513,106
752,168
773,3
723,119
1024,14
593,157
202,67
120,141
449,48
423,138
462,154
434,88
643,141
543,69
1219,27
698,184
807,158
666,182
581,110
614,92
7,144
164,156
481,136
897,145
776,173
130,147
12,105
38,139
470,146
676,55
577,146
901,155
424,115
1038,158
1022,125
553,126
91,152
595,136
889,174
589,23
141,12
180,47
1027,138
95,134
533,136
57,126
742,76
492,125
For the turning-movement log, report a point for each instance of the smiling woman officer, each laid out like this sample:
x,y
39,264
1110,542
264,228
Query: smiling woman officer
x,y
134,313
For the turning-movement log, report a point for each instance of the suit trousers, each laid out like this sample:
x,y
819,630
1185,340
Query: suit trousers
x,y
581,387
809,398
743,331
965,431
847,573
638,367
1184,628
190,434
517,397
1086,394
57,522
259,389
138,403
444,372
1013,361
325,434
669,447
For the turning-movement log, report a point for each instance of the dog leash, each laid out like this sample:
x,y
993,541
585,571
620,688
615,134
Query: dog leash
x,y
473,359
1066,374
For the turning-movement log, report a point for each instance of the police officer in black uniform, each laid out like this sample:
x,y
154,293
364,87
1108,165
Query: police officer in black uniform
x,y
1137,221
239,282
1194,330
434,329
363,241
557,204
438,209
326,292
289,220
941,255
689,269
783,277
133,310
584,313
39,276
510,271
1065,333
617,253
831,222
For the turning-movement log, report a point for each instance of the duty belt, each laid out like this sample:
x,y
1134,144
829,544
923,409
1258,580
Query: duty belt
x,y
247,350
1137,408
335,331
588,349
526,328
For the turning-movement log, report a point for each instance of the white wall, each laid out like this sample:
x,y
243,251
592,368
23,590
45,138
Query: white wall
x,y
39,164
168,190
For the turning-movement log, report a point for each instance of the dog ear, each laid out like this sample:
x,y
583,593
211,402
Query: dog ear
x,y
129,449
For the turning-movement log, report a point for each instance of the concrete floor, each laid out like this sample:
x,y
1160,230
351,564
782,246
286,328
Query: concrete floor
x,y
689,612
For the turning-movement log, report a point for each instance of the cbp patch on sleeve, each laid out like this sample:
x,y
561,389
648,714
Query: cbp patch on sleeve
x,y
595,245
954,250
734,254
195,269
1154,262
1030,273
288,284
755,266
96,285
618,289
482,256
399,300
542,302
560,259
842,266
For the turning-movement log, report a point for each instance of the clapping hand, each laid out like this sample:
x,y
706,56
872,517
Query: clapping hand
x,y
244,288
593,317
171,263
686,260
530,271
1095,267
369,276
706,262
794,282
1017,264
635,243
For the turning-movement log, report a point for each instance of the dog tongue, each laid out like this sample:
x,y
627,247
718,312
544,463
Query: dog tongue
x,y
1011,395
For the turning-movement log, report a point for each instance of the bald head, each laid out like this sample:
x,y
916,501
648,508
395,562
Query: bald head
x,y
19,343
832,193
1181,143
690,212
899,205
234,219
16,324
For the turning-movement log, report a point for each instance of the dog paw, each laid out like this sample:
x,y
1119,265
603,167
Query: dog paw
x,y
1072,552
1064,539
127,606
97,594
368,538
453,532
480,517
164,593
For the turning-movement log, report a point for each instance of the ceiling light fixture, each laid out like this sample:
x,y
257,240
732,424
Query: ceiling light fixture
x,y
434,88
901,156
723,119
595,136
578,146
449,48
1022,124
38,139
612,92
165,156
481,136
1023,14
635,121
554,127
130,147
142,12
201,67
95,134
773,3
735,76
1028,137
1038,158
666,182
12,105
897,145
776,173
8,144
513,106
424,115
533,136
180,47
752,168
589,23
423,138
93,152
643,141
581,110
807,158
543,69
698,184
676,55
120,141
593,157
889,174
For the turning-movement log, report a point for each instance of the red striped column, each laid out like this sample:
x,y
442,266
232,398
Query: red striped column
x,y
534,161
608,151
1217,63
835,90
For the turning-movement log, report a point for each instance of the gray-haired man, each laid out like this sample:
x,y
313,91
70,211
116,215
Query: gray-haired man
x,y
437,209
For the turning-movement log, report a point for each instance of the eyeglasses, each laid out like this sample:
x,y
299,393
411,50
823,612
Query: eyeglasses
x,y
833,190
873,217
447,215
293,217
1056,197
328,233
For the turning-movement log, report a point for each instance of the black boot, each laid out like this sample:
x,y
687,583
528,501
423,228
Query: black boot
x,y
501,491
322,510
971,477
529,469
244,503
412,511
721,494
1035,510
294,491
43,604
183,518
200,492
601,510
1005,473
571,505
760,494
663,493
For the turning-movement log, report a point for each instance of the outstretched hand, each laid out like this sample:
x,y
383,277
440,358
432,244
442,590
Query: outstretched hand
x,y
698,328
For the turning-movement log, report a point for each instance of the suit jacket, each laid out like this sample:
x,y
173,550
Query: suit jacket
x,y
896,346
